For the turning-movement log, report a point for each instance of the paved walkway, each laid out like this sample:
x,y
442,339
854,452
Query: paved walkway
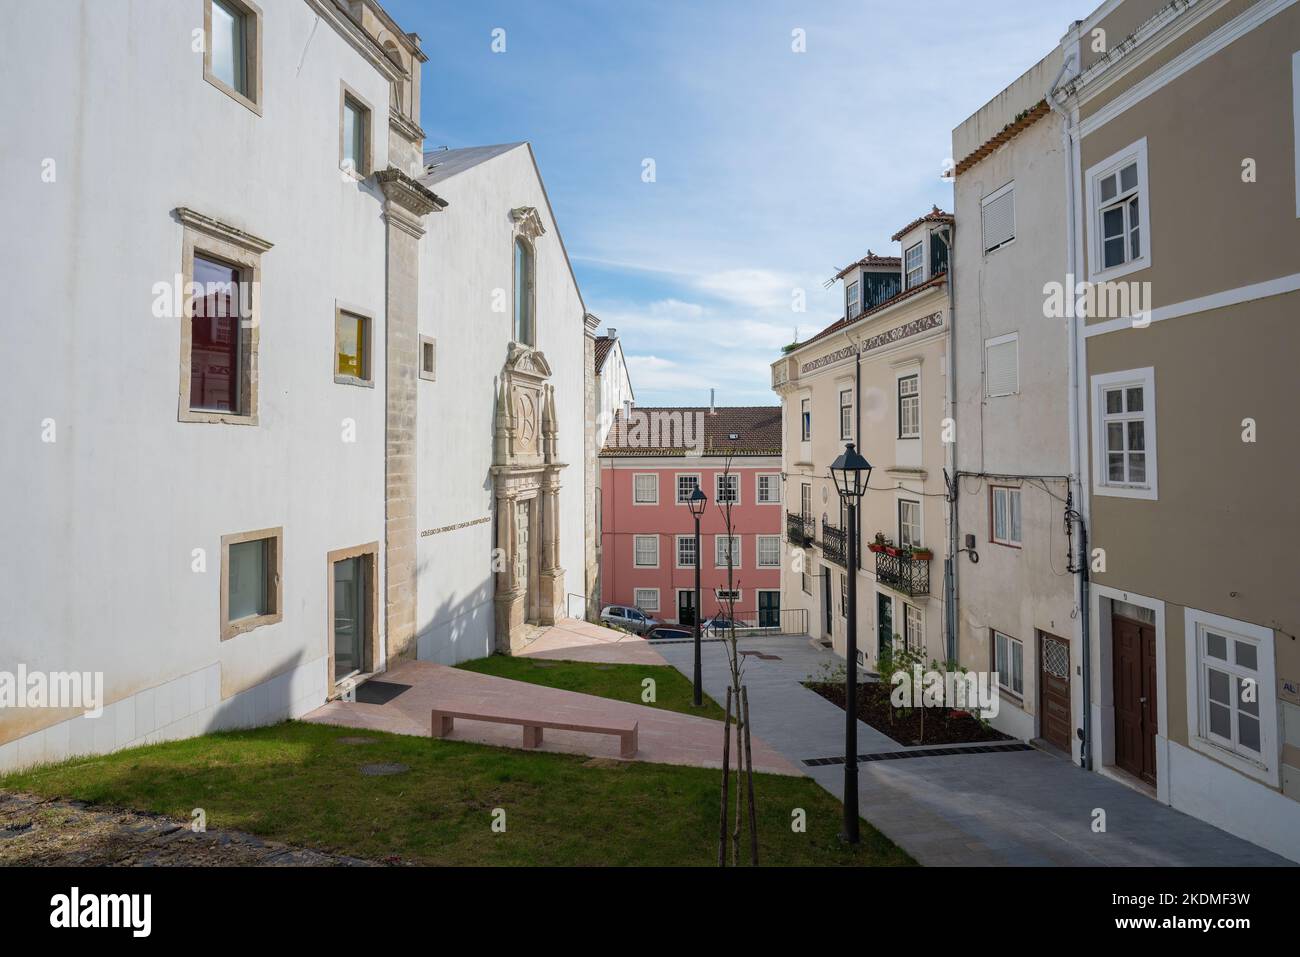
x,y
666,737
571,639
1013,808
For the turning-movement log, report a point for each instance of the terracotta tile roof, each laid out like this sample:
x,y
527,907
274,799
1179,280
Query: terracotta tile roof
x,y
1013,129
839,324
870,259
757,427
603,346
936,215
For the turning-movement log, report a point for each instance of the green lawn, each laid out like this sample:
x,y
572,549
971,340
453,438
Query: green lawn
x,y
299,783
620,682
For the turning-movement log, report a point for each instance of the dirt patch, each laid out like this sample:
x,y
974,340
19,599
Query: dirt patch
x,y
941,725
35,832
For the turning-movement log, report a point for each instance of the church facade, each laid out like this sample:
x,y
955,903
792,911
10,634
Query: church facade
x,y
292,409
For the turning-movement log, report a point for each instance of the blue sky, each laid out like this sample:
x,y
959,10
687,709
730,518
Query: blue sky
x,y
772,168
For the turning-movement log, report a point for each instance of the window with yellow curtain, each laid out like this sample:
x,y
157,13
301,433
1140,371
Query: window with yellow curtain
x,y
352,347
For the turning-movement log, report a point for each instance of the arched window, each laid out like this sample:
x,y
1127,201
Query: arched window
x,y
524,327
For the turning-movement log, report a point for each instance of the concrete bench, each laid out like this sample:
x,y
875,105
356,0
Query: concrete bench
x,y
444,719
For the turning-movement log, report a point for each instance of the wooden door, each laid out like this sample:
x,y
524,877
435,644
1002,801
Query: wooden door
x,y
1054,690
1133,645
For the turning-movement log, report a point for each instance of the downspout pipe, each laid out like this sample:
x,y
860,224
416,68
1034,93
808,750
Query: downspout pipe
x,y
950,454
1074,410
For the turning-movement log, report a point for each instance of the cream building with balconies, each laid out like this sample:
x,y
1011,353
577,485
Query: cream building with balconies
x,y
875,378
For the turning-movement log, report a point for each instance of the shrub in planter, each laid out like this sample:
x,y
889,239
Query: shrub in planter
x,y
922,554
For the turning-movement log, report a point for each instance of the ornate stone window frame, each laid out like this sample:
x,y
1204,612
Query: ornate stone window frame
x,y
367,116
214,239
252,53
528,228
275,581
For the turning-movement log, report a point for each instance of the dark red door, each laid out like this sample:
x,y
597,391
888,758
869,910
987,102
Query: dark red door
x,y
1134,648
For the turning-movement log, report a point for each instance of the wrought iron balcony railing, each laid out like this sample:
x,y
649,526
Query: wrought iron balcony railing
x,y
800,530
903,573
835,545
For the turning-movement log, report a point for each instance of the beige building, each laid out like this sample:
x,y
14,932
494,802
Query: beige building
x,y
875,378
1184,134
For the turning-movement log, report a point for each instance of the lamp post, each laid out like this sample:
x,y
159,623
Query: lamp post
x,y
851,473
696,503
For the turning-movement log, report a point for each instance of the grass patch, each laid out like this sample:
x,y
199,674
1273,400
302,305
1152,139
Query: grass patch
x,y
298,783
673,690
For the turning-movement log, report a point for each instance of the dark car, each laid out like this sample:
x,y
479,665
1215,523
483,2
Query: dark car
x,y
675,634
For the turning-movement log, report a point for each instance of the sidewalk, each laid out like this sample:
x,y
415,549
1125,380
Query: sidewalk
x,y
1011,808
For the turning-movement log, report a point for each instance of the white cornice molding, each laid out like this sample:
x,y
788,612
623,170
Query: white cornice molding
x,y
1218,300
1234,29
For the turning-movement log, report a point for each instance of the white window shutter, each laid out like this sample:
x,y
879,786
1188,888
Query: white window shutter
x,y
1001,366
999,220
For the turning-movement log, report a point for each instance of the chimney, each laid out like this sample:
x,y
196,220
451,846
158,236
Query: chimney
x,y
712,410
612,334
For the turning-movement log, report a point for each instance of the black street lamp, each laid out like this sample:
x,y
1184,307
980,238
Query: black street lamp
x,y
851,473
696,503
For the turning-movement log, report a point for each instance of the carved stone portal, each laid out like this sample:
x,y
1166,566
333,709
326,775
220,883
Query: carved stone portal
x,y
529,582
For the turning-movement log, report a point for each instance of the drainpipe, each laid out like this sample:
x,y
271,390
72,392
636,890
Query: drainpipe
x,y
1075,409
950,454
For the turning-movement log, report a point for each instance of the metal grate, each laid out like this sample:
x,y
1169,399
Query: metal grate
x,y
926,753
1056,658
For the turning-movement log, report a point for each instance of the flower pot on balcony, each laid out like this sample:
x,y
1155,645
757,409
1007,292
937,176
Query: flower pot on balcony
x,y
875,547
895,552
922,554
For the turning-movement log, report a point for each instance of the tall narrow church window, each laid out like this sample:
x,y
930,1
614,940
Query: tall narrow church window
x,y
524,331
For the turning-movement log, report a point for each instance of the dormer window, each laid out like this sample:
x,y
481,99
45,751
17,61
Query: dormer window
x,y
851,300
914,266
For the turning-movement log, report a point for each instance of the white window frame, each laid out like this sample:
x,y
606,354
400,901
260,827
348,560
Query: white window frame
x,y
737,550
992,343
773,486
918,268
717,487
846,415
852,303
636,550
677,486
898,510
1130,378
805,420
908,608
636,600
636,491
898,392
1096,173
758,551
805,499
1006,682
992,198
677,549
1010,538
1195,623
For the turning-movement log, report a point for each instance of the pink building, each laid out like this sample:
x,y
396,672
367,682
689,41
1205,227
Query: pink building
x,y
651,463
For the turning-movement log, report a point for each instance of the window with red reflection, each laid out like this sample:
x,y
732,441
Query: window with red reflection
x,y
214,344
